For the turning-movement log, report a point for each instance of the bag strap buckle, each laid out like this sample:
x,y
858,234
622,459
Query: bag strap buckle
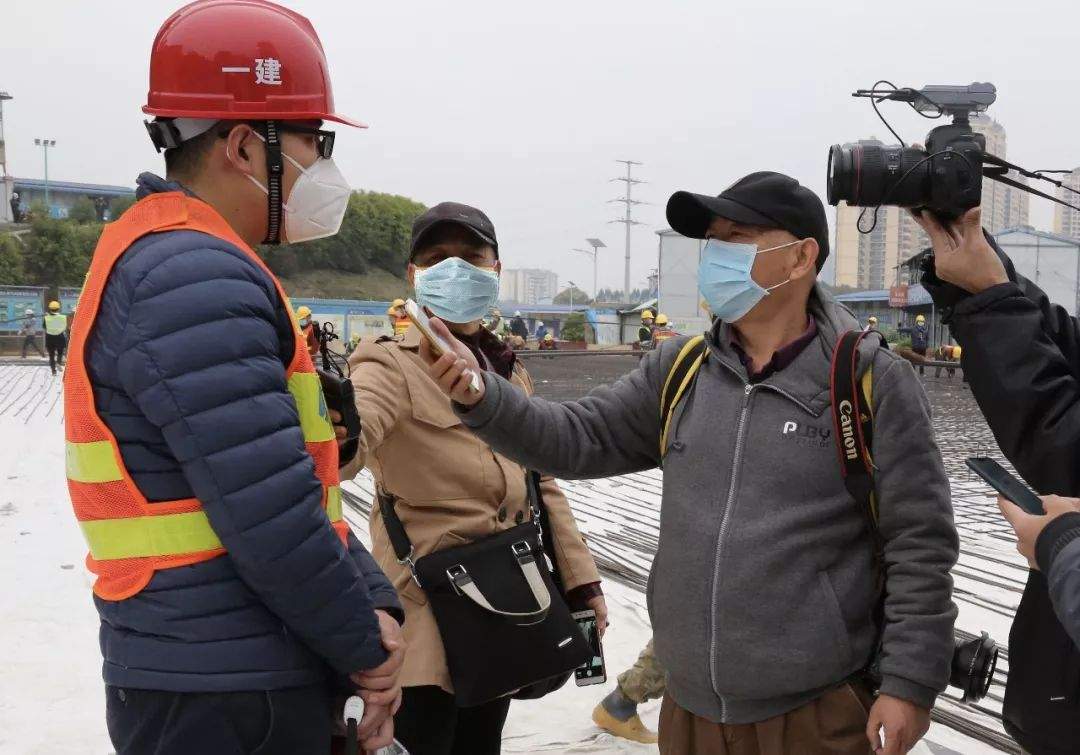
x,y
459,577
522,552
409,562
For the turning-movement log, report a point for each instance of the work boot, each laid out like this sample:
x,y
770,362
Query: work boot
x,y
617,714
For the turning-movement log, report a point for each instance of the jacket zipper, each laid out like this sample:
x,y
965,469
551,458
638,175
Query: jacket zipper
x,y
747,392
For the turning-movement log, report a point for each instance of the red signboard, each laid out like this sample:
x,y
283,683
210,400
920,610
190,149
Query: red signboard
x,y
898,297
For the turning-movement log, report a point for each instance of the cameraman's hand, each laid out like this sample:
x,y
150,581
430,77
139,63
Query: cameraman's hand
x,y
452,372
905,723
1028,527
962,255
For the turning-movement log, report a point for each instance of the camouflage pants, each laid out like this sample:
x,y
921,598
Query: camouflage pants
x,y
645,679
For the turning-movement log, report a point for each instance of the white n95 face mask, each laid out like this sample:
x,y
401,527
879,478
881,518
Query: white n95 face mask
x,y
316,204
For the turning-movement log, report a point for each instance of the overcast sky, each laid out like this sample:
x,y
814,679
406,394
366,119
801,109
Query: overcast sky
x,y
522,108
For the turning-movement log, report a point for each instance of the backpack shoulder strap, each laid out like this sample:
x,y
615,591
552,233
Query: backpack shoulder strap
x,y
679,378
853,426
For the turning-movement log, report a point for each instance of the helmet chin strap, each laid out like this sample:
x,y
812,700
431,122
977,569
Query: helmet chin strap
x,y
275,170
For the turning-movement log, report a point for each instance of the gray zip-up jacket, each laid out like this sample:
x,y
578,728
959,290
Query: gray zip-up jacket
x,y
763,591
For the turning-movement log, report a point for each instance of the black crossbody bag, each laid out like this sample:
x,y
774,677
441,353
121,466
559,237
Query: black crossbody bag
x,y
504,623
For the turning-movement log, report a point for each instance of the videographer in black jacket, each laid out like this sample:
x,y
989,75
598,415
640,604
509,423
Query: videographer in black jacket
x,y
1021,357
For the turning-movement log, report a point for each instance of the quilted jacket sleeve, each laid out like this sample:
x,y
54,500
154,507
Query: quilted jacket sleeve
x,y
202,358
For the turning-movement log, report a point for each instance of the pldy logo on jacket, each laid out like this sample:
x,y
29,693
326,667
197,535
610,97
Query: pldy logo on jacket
x,y
806,435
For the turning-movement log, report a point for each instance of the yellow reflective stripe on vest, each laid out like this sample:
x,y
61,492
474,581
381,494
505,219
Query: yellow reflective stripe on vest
x,y
55,324
310,402
166,534
92,462
141,536
333,503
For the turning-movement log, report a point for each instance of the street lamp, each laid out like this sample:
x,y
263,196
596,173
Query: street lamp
x,y
4,96
572,287
595,244
45,144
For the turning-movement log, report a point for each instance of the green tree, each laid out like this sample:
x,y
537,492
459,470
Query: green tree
x,y
58,252
12,272
374,233
118,206
83,211
580,297
573,328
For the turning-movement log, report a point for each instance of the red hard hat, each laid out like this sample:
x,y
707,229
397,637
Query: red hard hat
x,y
240,60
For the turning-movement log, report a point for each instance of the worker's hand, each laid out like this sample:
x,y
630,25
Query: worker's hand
x,y
962,255
380,685
1028,527
599,605
376,729
905,723
452,372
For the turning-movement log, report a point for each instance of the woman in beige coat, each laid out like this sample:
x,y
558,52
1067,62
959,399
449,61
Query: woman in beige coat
x,y
451,488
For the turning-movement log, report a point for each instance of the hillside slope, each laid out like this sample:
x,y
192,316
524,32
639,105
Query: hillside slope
x,y
377,285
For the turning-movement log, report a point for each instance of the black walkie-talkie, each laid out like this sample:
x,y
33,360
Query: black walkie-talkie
x,y
338,390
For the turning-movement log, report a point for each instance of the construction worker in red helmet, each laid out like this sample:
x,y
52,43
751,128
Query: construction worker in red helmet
x,y
202,463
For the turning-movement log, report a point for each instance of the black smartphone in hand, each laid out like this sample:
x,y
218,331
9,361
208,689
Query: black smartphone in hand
x,y
997,477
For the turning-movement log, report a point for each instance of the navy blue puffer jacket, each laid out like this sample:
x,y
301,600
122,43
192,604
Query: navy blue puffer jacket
x,y
187,360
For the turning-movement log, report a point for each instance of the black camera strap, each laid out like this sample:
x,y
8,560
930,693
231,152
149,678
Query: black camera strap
x,y
999,173
853,425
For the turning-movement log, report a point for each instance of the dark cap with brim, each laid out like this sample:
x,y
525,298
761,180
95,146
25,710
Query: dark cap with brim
x,y
767,199
469,218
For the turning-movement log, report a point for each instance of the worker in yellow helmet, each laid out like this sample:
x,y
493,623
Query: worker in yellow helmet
x,y
920,340
309,328
56,326
547,343
398,319
663,331
644,334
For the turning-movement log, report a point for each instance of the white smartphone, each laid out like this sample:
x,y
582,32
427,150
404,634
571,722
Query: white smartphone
x,y
419,318
592,671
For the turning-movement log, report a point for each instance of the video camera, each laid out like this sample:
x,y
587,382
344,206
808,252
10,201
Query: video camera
x,y
945,177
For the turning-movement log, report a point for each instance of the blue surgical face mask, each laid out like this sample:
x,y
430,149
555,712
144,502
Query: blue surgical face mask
x,y
456,291
724,278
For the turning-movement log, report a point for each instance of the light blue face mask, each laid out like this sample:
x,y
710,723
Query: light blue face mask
x,y
724,278
456,291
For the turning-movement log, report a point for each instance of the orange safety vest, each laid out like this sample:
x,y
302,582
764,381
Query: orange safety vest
x,y
311,338
662,334
129,537
401,324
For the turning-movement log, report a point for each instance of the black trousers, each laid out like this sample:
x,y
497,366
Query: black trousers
x,y
55,345
274,722
430,723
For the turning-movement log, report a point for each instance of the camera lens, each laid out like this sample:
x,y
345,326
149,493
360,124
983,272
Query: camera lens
x,y
973,666
868,174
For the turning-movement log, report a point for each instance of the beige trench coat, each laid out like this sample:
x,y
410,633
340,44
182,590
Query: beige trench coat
x,y
452,488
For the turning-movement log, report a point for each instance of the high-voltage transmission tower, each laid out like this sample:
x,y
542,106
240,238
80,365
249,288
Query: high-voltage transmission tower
x,y
628,220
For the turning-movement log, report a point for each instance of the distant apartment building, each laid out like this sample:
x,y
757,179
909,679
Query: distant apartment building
x,y
1002,206
528,286
1066,219
870,260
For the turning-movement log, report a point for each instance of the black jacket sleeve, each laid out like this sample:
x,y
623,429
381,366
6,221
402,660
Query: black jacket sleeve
x,y
1021,357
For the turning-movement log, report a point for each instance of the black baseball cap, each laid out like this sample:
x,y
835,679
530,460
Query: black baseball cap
x,y
459,214
765,198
